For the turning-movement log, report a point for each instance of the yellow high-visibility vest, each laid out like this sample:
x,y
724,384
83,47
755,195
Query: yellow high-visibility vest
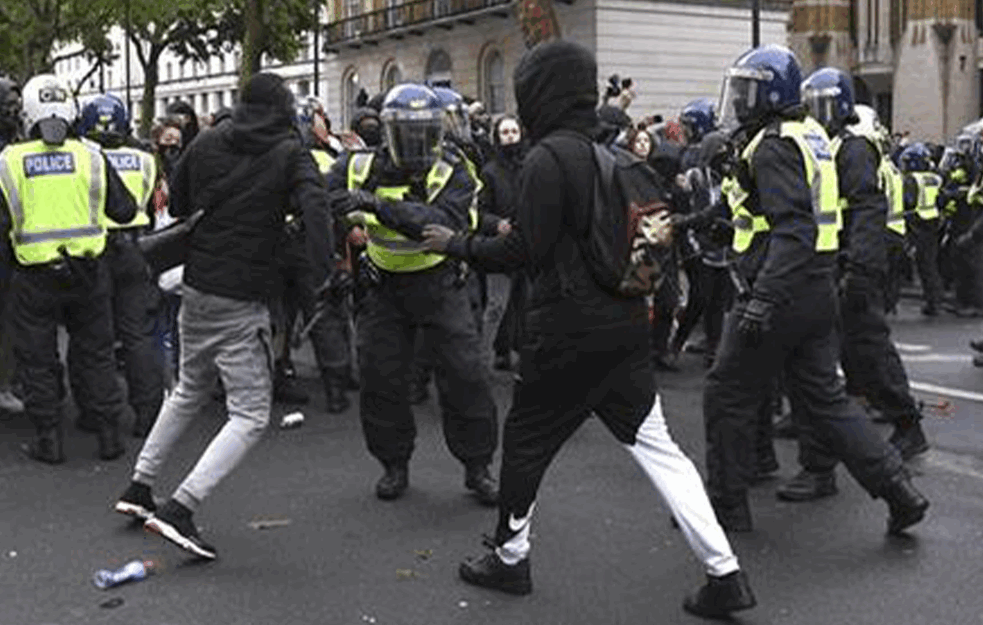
x,y
929,184
387,248
820,175
56,196
324,161
745,224
889,181
138,171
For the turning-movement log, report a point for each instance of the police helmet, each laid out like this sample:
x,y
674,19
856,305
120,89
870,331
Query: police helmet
x,y
10,108
412,118
762,82
46,96
964,144
916,157
698,119
456,116
828,96
104,119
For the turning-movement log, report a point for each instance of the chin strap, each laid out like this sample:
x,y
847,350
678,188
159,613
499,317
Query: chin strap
x,y
53,131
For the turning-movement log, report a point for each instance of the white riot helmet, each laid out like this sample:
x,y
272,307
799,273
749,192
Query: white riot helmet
x,y
869,125
46,96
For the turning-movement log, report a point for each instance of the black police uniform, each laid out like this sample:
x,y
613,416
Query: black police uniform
x,y
783,266
436,299
74,293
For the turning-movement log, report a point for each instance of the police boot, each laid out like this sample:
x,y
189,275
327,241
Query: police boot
x,y
808,486
286,388
110,447
733,512
478,480
46,446
906,505
909,438
394,481
334,393
721,596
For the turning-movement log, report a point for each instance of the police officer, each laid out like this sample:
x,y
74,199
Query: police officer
x,y
921,198
870,361
786,322
396,190
961,209
134,296
58,194
329,332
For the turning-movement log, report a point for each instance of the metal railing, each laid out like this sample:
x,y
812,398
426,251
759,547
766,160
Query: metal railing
x,y
402,15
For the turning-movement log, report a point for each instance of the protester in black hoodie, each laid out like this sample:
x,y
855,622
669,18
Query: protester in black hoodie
x,y
586,350
246,173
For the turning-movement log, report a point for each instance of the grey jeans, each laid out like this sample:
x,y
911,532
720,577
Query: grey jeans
x,y
219,337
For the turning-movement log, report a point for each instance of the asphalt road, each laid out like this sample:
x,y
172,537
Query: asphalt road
x,y
603,549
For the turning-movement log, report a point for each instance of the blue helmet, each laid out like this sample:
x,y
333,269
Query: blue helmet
x,y
762,82
698,119
456,115
828,96
104,119
916,157
413,121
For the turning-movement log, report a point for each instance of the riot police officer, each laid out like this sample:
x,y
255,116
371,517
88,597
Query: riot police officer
x,y
786,322
134,296
922,196
58,194
870,361
396,190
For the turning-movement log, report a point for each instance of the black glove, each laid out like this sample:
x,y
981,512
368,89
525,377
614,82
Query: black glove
x,y
754,319
365,201
342,202
855,291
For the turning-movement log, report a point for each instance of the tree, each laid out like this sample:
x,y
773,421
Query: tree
x,y
187,27
29,30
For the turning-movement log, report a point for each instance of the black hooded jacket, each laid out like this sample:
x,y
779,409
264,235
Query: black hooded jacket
x,y
556,89
233,248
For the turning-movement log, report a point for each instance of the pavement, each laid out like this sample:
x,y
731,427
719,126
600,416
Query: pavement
x,y
603,549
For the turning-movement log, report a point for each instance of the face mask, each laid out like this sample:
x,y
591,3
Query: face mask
x,y
371,134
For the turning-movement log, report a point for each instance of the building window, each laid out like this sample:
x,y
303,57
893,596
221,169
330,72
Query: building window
x,y
395,13
494,75
349,93
438,71
391,76
217,102
109,78
233,96
303,88
441,8
353,8
169,71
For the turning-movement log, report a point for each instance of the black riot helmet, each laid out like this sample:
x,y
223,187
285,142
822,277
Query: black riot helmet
x,y
10,110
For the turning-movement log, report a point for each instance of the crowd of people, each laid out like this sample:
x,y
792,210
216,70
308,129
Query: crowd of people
x,y
431,243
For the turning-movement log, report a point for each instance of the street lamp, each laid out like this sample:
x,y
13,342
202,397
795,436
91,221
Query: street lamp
x,y
317,45
755,23
129,102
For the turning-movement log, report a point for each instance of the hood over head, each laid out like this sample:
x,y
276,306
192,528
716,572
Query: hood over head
x,y
556,87
264,115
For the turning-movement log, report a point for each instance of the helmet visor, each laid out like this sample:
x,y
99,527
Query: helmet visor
x,y
458,124
738,98
413,138
821,104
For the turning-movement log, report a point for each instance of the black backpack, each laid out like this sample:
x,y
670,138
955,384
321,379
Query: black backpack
x,y
619,244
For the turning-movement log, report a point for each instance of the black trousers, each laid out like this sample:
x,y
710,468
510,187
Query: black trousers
x,y
136,301
925,234
43,300
387,321
708,298
564,378
802,346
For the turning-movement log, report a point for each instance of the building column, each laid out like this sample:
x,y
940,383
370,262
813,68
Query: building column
x,y
820,34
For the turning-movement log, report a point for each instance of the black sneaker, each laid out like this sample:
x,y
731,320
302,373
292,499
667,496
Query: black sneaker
x,y
490,572
174,523
136,501
721,596
808,486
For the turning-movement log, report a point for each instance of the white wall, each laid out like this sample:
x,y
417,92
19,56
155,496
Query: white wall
x,y
675,53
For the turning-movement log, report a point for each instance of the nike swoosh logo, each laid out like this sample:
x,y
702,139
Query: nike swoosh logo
x,y
516,525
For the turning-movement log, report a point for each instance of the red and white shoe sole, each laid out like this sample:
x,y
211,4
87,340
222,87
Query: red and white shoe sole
x,y
133,509
167,531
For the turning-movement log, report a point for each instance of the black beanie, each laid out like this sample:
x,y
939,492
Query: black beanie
x,y
267,89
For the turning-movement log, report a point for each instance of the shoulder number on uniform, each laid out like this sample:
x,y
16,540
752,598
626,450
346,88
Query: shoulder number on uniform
x,y
819,146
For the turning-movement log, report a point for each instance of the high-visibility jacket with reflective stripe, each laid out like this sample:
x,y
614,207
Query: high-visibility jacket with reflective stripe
x,y
820,173
324,160
928,192
56,196
889,181
745,224
138,171
387,248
